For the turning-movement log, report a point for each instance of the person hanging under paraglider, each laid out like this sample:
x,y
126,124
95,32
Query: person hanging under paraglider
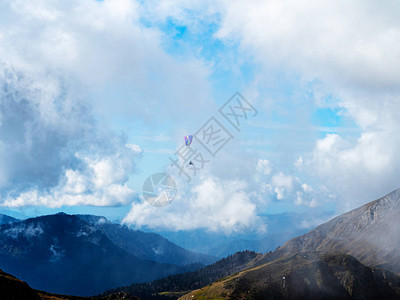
x,y
188,141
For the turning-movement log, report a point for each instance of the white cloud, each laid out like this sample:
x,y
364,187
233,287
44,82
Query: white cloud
x,y
264,166
280,192
99,52
56,252
299,163
306,188
76,183
283,180
225,205
361,171
307,199
283,184
102,183
299,198
21,229
52,151
34,230
104,46
356,43
135,148
313,222
214,205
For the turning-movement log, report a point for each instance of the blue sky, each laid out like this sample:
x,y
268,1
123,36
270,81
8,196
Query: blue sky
x,y
97,96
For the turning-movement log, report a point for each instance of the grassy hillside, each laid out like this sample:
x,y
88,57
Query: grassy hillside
x,y
309,275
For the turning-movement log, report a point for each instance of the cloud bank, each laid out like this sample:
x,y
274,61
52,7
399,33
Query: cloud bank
x,y
66,67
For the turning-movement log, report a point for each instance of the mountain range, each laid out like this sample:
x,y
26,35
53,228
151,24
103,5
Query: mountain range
x,y
353,256
67,255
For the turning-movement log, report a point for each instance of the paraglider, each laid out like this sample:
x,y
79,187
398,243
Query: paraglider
x,y
188,139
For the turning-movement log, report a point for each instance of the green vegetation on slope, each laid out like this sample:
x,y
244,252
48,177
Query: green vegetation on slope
x,y
171,286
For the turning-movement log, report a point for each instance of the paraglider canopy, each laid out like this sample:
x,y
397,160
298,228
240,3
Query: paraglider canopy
x,y
188,140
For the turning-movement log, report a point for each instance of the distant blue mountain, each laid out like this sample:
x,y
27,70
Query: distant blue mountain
x,y
4,219
65,254
280,228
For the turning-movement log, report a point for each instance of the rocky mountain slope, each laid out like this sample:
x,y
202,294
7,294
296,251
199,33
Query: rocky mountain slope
x,y
370,233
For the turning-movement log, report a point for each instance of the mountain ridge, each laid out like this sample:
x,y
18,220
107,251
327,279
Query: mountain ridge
x,y
147,245
44,249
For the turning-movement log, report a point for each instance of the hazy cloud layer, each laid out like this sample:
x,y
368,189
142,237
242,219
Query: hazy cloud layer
x,y
227,205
